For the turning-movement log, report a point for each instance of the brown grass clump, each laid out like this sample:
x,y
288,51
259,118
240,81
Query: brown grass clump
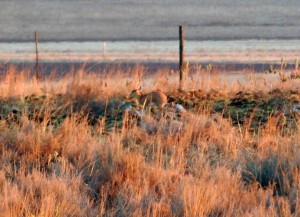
x,y
66,150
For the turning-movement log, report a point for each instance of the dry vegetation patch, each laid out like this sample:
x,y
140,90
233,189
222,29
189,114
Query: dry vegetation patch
x,y
69,148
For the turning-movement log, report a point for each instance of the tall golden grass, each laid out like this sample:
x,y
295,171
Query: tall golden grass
x,y
201,165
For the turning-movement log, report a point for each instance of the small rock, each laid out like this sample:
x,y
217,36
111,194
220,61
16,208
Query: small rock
x,y
296,107
179,108
125,106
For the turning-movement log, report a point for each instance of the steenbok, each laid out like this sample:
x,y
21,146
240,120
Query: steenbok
x,y
156,97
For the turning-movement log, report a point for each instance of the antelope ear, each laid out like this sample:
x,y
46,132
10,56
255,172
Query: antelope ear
x,y
139,88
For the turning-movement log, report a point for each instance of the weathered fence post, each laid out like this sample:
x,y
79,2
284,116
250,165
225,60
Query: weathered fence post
x,y
104,48
181,56
37,73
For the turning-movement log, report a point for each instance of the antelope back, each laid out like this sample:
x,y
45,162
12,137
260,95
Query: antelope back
x,y
156,97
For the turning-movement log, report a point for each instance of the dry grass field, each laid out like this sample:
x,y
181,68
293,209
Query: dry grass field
x,y
68,148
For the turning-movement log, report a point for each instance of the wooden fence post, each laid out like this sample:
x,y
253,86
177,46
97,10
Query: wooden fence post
x,y
37,73
181,56
104,49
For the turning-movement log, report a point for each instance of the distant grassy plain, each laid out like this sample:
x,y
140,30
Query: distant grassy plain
x,y
148,20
